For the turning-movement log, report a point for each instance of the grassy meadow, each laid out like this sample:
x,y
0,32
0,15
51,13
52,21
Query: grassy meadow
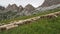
x,y
41,26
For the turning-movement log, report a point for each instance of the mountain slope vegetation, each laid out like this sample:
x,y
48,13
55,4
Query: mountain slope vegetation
x,y
15,17
41,26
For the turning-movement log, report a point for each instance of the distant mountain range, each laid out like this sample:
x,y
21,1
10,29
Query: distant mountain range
x,y
12,11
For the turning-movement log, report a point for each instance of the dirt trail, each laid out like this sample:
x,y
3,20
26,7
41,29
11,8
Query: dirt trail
x,y
21,22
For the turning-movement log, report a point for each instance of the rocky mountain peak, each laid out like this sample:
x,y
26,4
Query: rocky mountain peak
x,y
20,8
2,8
12,7
29,7
50,2
9,6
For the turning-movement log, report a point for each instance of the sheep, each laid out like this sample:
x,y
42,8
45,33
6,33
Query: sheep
x,y
27,22
18,23
44,16
2,28
57,14
31,19
10,27
49,16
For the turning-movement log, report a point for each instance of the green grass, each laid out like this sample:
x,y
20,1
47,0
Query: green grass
x,y
41,26
26,17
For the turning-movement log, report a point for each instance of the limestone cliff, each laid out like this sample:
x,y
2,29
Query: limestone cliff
x,y
50,2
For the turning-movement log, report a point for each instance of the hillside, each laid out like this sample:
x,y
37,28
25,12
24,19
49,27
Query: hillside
x,y
24,17
41,26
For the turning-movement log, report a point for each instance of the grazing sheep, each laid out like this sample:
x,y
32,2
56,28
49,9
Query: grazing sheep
x,y
35,18
3,28
48,16
10,27
51,16
19,22
44,16
27,22
57,14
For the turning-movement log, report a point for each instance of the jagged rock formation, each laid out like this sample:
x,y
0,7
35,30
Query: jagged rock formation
x,y
20,8
12,7
29,8
2,8
50,2
14,10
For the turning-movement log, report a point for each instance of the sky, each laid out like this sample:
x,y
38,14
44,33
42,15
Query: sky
x,y
35,3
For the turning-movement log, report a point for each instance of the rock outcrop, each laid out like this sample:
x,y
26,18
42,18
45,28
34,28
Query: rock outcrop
x,y
29,8
20,8
12,7
50,2
13,11
2,8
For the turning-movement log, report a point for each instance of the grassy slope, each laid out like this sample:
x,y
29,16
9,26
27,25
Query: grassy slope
x,y
41,26
26,17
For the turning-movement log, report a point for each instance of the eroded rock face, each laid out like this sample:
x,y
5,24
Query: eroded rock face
x,y
2,8
49,5
29,8
50,2
20,8
12,7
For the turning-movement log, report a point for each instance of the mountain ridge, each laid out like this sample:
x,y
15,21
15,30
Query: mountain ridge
x,y
29,9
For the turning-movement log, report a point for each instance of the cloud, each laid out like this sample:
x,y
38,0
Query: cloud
x,y
35,3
